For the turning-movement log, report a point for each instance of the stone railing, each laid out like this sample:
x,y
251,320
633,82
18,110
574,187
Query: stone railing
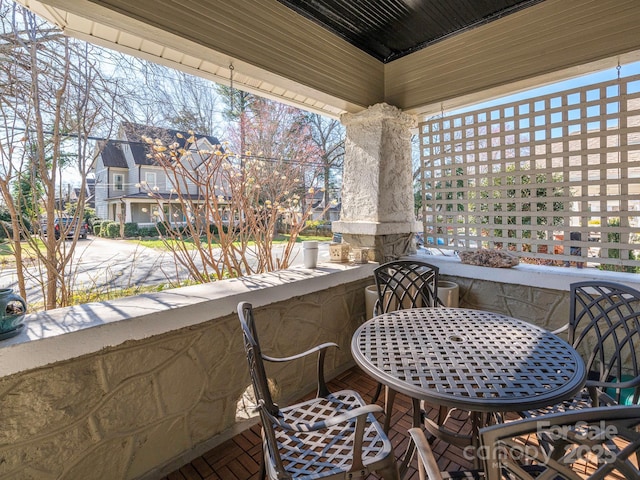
x,y
137,387
537,294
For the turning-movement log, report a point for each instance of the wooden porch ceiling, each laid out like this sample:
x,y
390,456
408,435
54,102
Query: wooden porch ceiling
x,y
278,53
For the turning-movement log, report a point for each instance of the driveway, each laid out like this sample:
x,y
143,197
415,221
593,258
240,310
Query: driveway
x,y
107,264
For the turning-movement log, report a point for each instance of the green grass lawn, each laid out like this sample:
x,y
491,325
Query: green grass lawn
x,y
280,239
6,251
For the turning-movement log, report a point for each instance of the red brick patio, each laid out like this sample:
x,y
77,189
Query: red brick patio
x,y
239,457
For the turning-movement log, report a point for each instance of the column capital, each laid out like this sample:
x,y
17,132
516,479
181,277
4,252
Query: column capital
x,y
378,113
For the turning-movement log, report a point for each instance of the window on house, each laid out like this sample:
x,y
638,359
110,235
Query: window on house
x,y
150,178
118,182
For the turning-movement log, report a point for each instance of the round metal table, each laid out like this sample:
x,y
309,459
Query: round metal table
x,y
466,359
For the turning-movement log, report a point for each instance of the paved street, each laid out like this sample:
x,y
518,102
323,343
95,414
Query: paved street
x,y
107,264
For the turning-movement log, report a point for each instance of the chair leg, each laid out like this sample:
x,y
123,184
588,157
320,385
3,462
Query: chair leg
x,y
376,395
443,413
390,473
263,468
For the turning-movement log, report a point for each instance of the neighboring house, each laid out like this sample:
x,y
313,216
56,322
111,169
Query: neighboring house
x,y
125,174
318,207
89,199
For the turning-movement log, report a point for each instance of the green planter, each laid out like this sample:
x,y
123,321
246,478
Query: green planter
x,y
12,311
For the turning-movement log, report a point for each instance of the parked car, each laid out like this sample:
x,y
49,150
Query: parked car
x,y
68,225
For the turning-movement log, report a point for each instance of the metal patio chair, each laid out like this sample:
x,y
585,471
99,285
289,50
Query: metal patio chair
x,y
333,436
403,284
604,326
593,444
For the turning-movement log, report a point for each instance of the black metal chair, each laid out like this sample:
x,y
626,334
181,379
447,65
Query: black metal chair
x,y
604,326
403,284
333,436
593,444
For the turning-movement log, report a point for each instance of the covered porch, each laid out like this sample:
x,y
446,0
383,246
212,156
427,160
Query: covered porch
x,y
140,387
380,78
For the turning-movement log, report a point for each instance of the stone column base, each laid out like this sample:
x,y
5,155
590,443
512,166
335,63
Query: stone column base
x,y
383,248
387,241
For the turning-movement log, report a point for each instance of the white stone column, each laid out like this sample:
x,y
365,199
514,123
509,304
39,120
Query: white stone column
x,y
127,211
377,189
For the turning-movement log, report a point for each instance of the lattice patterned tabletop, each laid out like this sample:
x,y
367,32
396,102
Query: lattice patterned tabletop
x,y
469,359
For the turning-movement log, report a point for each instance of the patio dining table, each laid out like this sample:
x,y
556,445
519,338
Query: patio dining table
x,y
481,362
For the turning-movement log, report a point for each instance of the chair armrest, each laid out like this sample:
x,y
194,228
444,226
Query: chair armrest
x,y
562,329
628,384
323,424
322,391
301,354
426,459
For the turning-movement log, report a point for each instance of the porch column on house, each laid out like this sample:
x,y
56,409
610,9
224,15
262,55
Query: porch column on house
x,y
127,211
377,189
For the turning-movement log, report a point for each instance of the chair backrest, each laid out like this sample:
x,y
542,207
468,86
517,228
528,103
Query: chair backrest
x,y
590,443
406,284
604,326
257,371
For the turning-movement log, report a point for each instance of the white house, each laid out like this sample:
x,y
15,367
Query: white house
x,y
125,175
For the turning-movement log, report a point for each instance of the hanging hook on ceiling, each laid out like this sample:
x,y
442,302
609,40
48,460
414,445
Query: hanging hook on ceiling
x,y
231,87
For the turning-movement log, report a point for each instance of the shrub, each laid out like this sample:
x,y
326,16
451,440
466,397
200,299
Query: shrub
x,y
615,237
131,230
111,230
6,231
161,228
147,232
102,227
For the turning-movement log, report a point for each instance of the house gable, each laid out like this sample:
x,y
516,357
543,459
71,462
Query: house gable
x,y
134,134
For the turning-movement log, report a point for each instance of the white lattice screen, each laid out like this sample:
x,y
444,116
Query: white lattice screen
x,y
551,178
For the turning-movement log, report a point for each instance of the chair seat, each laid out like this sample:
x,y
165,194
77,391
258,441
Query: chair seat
x,y
581,400
329,451
532,470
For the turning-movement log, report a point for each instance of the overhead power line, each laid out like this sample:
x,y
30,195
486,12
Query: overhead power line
x,y
129,142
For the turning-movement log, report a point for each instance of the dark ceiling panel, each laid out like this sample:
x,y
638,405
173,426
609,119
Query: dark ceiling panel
x,y
390,29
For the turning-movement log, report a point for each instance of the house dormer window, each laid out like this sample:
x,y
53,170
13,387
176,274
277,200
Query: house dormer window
x,y
118,182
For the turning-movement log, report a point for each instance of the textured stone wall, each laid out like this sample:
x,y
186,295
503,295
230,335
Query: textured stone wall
x,y
377,184
383,248
125,411
543,307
